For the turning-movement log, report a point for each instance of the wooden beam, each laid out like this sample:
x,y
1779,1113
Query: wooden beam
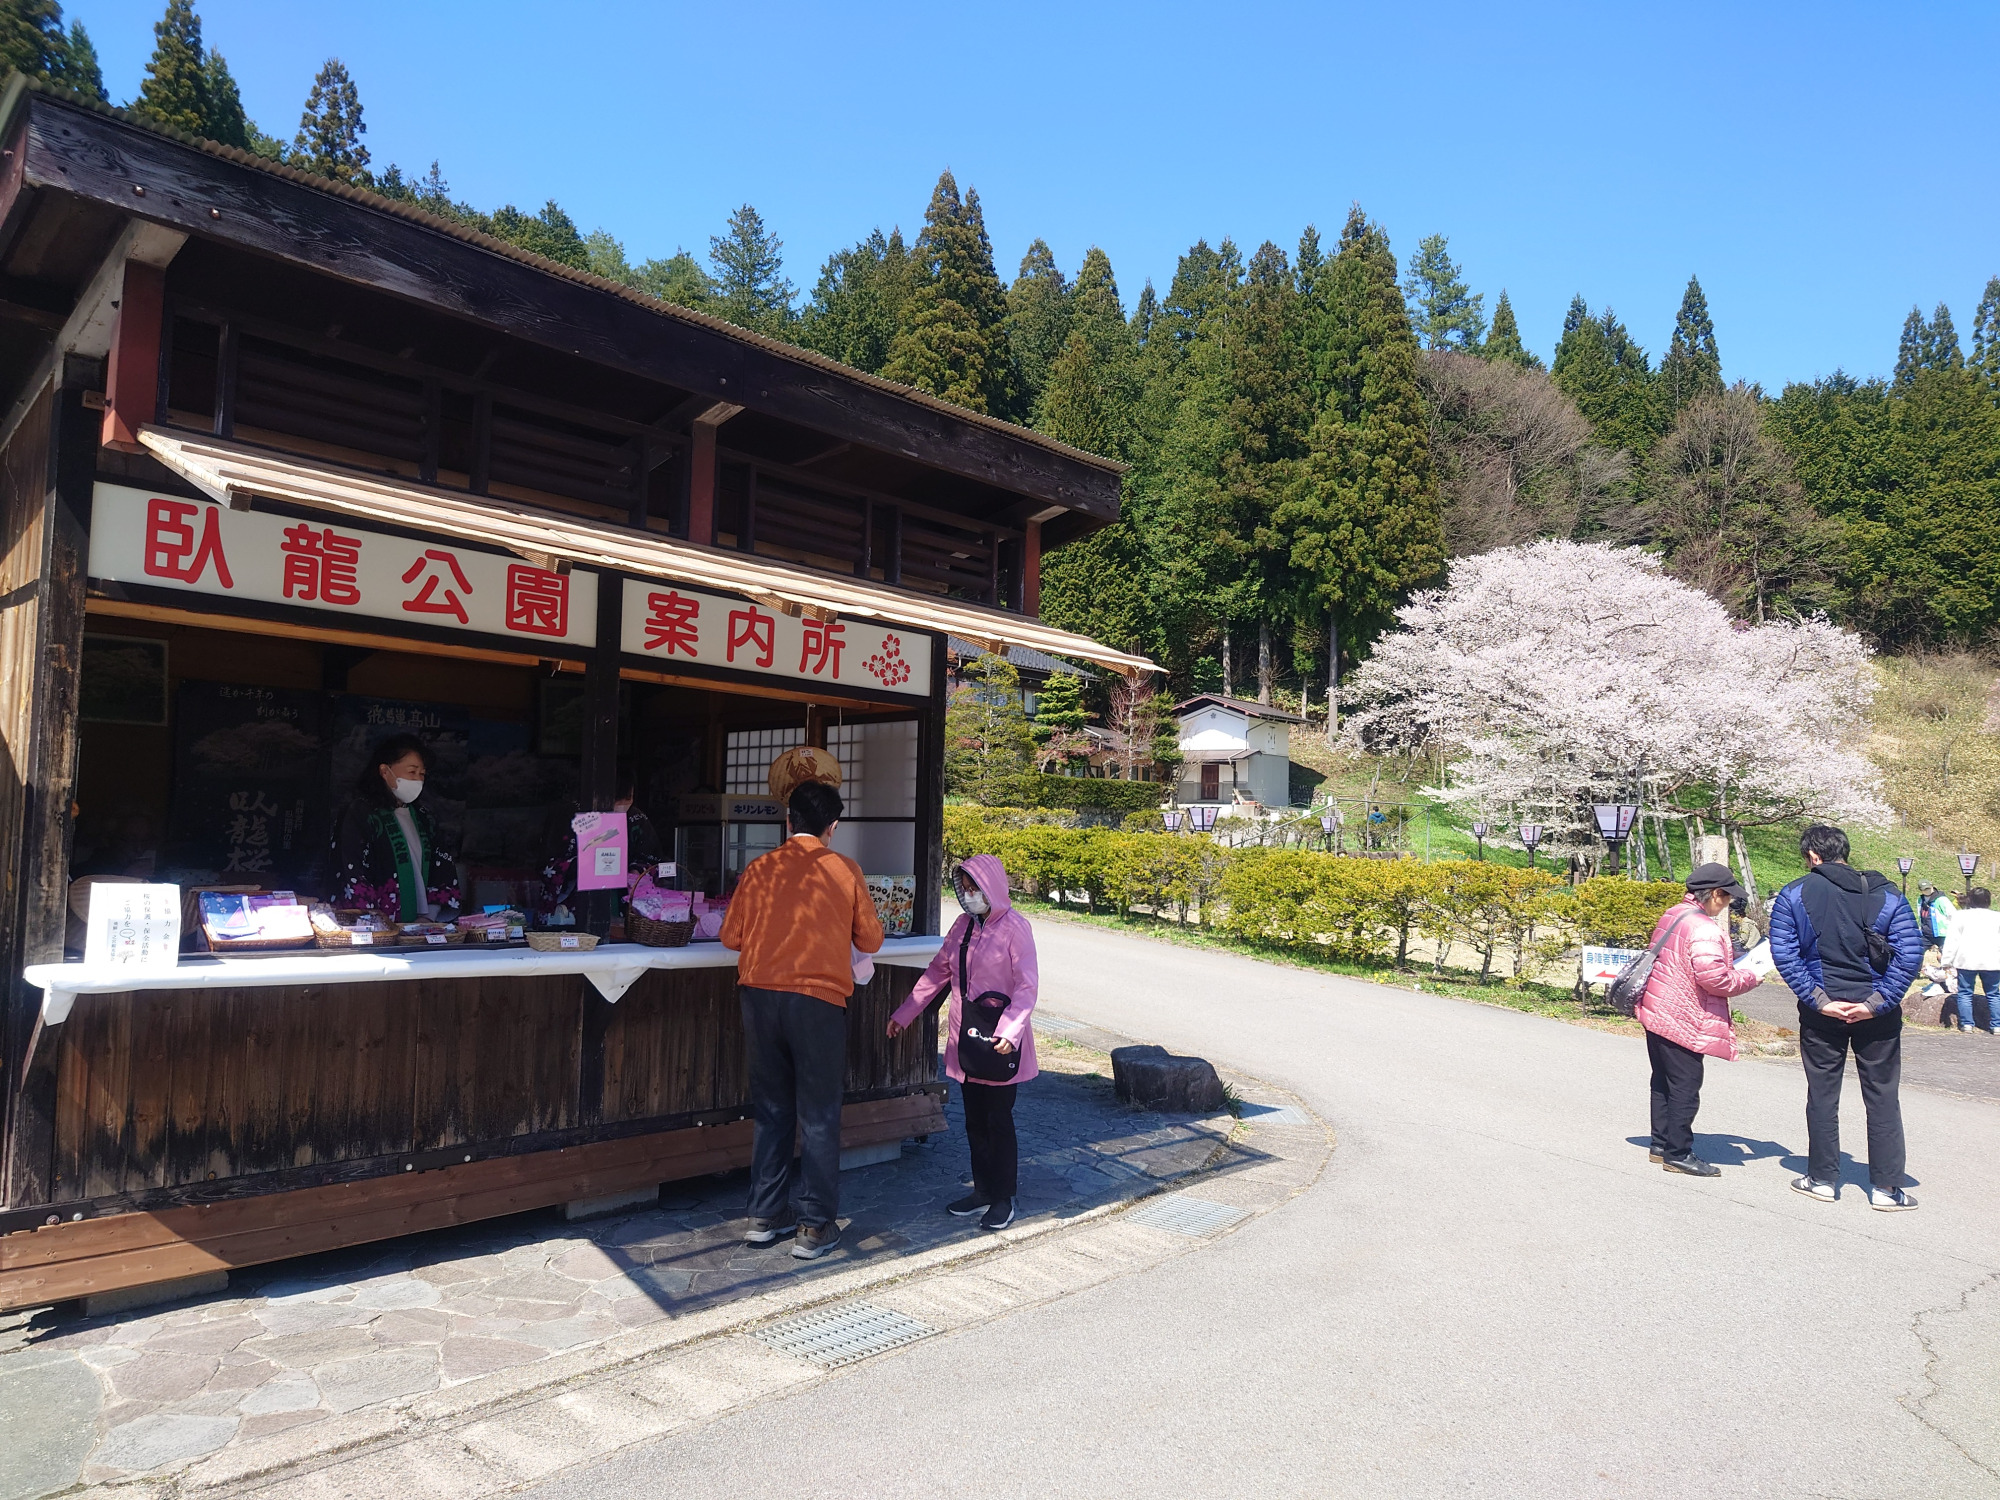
x,y
97,157
132,383
1031,570
930,797
701,487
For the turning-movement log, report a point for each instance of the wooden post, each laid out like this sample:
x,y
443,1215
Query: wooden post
x,y
132,383
45,764
225,381
482,444
599,789
1031,569
701,486
815,726
930,799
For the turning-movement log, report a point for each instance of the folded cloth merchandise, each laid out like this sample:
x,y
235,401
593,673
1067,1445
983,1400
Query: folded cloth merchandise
x,y
659,904
494,925
243,920
708,915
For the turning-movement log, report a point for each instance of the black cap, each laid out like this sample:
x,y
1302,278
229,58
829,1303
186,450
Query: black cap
x,y
1708,878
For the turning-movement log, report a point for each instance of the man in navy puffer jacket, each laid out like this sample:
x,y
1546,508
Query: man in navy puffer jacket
x,y
1821,931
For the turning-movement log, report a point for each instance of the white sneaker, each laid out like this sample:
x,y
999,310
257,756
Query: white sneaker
x,y
1890,1200
1826,1192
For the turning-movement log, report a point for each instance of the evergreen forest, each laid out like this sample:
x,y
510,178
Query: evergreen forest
x,y
1311,431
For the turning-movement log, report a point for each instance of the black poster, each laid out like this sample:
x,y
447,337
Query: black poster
x,y
356,725
249,803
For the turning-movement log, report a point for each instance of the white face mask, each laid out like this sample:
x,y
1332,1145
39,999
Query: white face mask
x,y
974,901
406,790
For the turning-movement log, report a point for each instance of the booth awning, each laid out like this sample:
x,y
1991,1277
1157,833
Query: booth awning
x,y
234,472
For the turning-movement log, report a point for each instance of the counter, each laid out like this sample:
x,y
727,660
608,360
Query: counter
x,y
611,968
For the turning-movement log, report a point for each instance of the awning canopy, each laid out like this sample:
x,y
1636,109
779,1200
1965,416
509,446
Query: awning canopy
x,y
234,472
1215,757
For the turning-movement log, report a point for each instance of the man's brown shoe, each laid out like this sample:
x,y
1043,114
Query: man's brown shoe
x,y
814,1240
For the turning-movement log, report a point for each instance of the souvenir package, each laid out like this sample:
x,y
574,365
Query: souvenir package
x,y
895,899
350,928
708,915
243,921
497,924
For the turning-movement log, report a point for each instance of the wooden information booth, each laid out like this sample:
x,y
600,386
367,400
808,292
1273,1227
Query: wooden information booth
x,y
286,467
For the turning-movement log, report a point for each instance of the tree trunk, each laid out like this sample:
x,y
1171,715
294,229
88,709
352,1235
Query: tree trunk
x,y
1228,677
1264,661
1743,870
1332,673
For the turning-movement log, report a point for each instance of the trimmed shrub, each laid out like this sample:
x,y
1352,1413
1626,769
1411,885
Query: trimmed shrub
x,y
1085,793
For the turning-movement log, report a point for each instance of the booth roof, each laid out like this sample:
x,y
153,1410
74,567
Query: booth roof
x,y
233,472
19,84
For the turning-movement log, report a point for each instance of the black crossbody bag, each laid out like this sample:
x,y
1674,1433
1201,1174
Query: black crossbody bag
x,y
978,1028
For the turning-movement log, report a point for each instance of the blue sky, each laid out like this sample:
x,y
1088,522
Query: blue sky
x,y
1819,167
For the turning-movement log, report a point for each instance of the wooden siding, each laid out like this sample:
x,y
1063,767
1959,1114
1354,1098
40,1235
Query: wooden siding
x,y
175,1089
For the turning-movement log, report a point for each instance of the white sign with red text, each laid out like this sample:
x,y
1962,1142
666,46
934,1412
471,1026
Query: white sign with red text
x,y
199,547
673,624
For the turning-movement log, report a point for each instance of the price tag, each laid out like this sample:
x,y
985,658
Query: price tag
x,y
570,942
436,938
361,939
668,869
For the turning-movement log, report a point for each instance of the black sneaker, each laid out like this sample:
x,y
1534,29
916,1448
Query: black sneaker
x,y
816,1240
999,1216
768,1231
1691,1166
967,1206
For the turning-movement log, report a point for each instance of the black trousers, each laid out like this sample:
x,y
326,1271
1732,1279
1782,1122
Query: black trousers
x,y
1676,1095
1878,1060
798,1062
989,1131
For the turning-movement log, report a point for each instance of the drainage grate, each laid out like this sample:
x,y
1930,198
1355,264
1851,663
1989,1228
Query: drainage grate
x,y
1274,1114
1184,1215
1046,1022
840,1335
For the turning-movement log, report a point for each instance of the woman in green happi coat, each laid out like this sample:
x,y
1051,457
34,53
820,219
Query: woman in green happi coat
x,y
385,851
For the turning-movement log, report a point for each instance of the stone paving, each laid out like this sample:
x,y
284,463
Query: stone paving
x,y
310,1340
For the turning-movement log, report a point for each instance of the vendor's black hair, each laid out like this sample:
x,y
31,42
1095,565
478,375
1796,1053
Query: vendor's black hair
x,y
814,808
370,784
1828,842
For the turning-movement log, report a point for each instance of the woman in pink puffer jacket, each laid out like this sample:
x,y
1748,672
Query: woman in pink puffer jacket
x,y
1685,1011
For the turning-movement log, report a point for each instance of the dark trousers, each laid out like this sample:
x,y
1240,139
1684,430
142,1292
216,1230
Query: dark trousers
x,y
1676,1095
1878,1059
798,1062
989,1131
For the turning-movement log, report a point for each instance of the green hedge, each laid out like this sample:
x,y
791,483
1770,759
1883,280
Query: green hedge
x,y
1084,793
1363,910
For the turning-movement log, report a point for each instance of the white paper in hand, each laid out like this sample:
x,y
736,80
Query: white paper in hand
x,y
134,926
1758,960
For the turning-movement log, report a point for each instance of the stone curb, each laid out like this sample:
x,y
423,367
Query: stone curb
x,y
423,1443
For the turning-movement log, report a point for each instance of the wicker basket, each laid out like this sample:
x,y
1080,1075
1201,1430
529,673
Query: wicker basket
x,y
641,928
408,939
557,942
345,938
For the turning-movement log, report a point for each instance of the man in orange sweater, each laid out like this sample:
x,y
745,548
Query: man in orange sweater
x,y
796,915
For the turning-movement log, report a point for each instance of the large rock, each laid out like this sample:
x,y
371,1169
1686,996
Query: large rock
x,y
1153,1078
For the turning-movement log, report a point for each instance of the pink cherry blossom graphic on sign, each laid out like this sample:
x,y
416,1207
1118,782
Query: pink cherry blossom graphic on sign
x,y
889,666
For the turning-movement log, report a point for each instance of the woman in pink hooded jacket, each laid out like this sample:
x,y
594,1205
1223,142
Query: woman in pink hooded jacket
x,y
996,946
1685,1011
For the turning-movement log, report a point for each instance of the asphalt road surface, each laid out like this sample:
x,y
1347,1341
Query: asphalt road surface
x,y
1489,1293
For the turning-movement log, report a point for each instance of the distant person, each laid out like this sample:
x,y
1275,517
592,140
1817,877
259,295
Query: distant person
x,y
1935,911
798,914
1685,1010
1847,943
988,960
1974,950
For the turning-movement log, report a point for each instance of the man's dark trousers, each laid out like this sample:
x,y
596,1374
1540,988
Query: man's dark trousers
x,y
1878,1060
1676,1095
798,1061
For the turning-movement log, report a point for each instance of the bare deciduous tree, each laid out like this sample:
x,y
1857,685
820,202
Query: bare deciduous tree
x,y
1514,455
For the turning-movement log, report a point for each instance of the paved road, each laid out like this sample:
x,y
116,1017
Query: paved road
x,y
1490,1292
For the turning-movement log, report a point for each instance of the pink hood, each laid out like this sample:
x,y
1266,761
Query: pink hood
x,y
1000,955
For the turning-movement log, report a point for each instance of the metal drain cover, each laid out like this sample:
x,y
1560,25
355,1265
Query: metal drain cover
x,y
836,1336
1184,1215
1055,1023
1275,1114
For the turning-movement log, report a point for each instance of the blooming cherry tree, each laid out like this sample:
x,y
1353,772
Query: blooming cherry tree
x,y
1555,675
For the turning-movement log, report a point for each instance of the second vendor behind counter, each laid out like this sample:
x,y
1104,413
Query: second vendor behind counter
x,y
644,851
385,847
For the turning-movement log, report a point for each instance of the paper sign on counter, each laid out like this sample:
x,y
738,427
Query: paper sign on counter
x,y
134,926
